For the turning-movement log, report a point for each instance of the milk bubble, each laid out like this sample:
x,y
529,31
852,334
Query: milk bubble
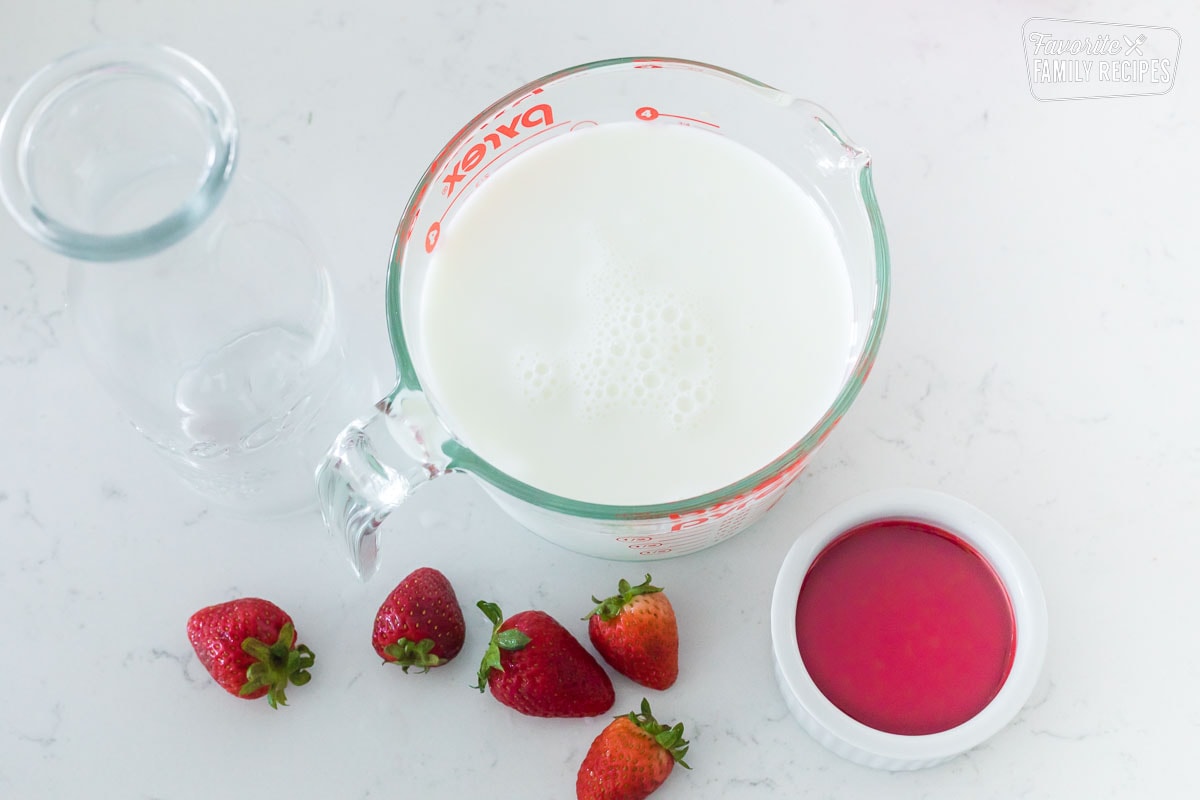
x,y
536,377
635,351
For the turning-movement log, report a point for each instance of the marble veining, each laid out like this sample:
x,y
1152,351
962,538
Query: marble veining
x,y
27,328
1038,362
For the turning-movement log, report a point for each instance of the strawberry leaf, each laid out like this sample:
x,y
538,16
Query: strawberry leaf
x,y
275,665
667,737
611,607
511,639
407,653
492,612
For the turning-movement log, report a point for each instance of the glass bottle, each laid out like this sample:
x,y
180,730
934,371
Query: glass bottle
x,y
200,302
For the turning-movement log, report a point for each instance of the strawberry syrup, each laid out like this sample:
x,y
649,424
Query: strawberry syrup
x,y
905,627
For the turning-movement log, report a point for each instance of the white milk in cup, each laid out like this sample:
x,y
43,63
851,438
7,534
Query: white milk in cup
x,y
632,299
654,312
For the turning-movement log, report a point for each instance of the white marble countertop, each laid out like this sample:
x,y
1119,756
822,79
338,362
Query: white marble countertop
x,y
1039,361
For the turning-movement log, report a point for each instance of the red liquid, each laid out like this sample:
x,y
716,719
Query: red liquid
x,y
904,627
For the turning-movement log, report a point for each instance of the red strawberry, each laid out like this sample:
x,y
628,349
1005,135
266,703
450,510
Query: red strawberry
x,y
536,666
249,647
635,632
630,758
420,623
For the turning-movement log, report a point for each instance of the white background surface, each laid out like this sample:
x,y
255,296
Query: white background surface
x,y
1040,362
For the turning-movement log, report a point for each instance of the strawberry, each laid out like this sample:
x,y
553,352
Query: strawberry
x,y
420,624
533,664
630,758
635,632
249,647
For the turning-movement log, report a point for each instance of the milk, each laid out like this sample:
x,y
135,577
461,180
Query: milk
x,y
635,313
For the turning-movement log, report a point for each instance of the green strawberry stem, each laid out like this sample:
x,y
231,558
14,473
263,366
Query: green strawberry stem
x,y
607,609
668,737
277,664
413,654
511,639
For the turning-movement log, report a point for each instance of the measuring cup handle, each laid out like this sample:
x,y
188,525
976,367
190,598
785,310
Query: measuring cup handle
x,y
357,490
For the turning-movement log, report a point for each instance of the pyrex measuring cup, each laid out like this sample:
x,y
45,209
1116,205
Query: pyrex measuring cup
x,y
375,463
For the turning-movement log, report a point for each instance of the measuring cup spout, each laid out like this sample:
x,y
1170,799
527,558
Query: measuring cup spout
x,y
358,490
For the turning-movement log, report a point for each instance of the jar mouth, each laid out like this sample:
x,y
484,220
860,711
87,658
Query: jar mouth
x,y
116,151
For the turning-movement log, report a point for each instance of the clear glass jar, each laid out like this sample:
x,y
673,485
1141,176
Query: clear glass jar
x,y
201,303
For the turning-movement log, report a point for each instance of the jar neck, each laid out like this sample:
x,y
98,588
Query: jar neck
x,y
117,151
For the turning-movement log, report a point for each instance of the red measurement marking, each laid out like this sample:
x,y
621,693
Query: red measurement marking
x,y
478,150
484,167
693,519
431,237
525,97
649,113
481,170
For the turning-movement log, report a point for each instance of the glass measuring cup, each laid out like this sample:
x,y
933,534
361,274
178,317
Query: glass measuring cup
x,y
358,484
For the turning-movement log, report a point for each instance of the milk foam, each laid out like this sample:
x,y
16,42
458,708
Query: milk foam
x,y
638,351
641,349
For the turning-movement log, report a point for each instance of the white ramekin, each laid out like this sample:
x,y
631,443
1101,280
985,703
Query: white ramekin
x,y
860,743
